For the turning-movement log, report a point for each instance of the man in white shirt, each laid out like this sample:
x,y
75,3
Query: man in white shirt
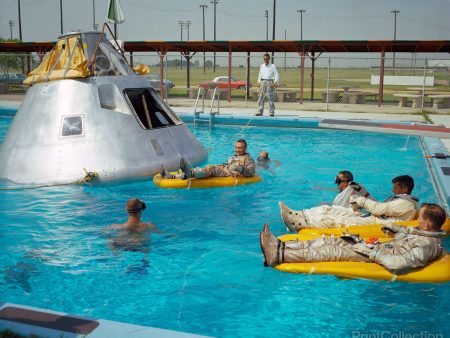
x,y
268,79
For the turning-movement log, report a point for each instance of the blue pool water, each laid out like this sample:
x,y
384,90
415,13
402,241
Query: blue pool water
x,y
209,278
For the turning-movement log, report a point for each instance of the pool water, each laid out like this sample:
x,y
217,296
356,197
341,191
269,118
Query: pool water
x,y
205,274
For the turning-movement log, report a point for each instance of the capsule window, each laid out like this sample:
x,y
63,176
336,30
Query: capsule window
x,y
72,126
149,110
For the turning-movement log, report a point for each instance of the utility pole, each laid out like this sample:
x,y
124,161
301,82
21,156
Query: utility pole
x,y
181,23
395,12
266,14
20,37
187,24
273,30
61,15
204,57
93,15
20,21
285,34
11,24
301,11
214,2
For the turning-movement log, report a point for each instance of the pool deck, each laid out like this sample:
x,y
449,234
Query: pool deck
x,y
27,321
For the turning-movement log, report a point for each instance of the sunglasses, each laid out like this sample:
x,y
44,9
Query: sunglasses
x,y
337,180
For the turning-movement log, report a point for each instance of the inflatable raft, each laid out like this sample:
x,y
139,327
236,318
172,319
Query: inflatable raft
x,y
437,271
208,182
372,230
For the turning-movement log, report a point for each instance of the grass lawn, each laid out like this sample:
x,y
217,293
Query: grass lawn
x,y
357,78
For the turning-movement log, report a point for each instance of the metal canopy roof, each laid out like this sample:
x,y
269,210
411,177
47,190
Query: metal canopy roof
x,y
327,46
442,46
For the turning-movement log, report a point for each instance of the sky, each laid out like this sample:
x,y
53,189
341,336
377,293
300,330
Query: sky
x,y
235,19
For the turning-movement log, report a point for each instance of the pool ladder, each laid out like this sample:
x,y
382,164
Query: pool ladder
x,y
213,110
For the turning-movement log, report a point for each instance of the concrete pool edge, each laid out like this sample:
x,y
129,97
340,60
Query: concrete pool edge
x,y
44,323
440,167
292,121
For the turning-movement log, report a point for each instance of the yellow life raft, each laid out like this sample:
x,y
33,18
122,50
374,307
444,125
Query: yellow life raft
x,y
437,271
208,182
372,230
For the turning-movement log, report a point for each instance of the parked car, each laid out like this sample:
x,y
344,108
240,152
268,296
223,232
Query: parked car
x,y
12,78
222,82
155,80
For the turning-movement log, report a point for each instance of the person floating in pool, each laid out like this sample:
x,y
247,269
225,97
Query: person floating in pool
x,y
239,165
133,234
400,207
410,248
347,188
264,162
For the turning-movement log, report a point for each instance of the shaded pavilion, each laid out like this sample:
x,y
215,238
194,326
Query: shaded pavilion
x,y
303,48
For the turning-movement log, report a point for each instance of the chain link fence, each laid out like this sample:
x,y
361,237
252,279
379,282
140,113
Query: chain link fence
x,y
327,79
408,81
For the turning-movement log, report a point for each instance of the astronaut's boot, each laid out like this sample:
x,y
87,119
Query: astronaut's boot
x,y
294,220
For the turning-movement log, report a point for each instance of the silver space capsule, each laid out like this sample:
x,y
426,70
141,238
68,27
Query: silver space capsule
x,y
87,111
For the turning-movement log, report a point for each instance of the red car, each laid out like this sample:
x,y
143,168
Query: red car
x,y
222,82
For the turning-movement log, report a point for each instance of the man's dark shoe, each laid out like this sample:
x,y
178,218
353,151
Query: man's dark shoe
x,y
269,246
165,174
184,168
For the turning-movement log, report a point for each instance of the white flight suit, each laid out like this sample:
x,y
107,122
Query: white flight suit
x,y
397,208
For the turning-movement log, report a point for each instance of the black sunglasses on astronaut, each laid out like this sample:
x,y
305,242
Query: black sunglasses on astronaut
x,y
338,180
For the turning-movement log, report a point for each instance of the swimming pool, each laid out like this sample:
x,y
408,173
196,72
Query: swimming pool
x,y
209,278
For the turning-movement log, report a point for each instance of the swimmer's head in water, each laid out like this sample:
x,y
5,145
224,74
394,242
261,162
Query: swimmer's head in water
x,y
264,154
263,160
135,205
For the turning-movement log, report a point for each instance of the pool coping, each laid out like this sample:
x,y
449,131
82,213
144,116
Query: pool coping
x,y
440,167
28,320
290,121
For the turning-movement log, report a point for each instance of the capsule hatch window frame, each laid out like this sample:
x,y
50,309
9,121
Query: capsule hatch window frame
x,y
149,110
62,129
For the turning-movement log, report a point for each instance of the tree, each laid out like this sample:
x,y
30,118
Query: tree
x,y
208,64
12,61
176,63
